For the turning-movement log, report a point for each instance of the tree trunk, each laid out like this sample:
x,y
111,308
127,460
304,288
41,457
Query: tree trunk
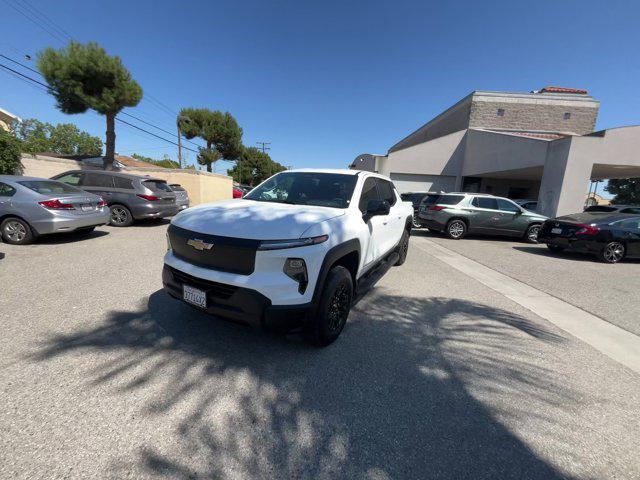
x,y
209,163
110,149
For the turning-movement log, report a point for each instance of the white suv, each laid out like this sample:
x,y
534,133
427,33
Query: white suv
x,y
291,252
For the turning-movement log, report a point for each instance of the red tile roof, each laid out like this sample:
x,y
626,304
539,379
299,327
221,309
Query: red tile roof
x,y
551,89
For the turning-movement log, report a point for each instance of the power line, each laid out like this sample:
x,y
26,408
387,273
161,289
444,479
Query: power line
x,y
21,64
154,126
15,72
39,13
117,118
55,35
153,134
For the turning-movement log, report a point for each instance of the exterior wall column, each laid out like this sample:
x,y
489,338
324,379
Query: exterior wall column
x,y
565,180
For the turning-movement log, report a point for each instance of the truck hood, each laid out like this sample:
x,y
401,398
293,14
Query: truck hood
x,y
241,218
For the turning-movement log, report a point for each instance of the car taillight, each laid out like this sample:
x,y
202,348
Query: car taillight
x,y
437,208
56,205
587,230
151,198
102,203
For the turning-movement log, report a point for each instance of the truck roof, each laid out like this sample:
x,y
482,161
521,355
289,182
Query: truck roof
x,y
343,171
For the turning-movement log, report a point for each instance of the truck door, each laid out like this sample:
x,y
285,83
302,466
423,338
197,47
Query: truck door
x,y
376,225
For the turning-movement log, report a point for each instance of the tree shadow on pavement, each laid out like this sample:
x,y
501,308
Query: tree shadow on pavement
x,y
404,393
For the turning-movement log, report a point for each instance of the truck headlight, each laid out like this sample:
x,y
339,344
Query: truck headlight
x,y
296,242
296,269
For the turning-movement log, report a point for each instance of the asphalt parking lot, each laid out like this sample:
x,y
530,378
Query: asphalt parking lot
x,y
611,292
435,376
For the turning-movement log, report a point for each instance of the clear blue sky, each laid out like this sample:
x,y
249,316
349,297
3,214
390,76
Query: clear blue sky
x,y
325,81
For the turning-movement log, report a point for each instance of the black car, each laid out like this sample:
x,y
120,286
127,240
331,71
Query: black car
x,y
610,237
630,209
416,198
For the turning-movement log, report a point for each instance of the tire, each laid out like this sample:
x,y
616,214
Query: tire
x,y
555,248
16,231
456,229
531,235
333,308
612,252
415,224
120,216
403,248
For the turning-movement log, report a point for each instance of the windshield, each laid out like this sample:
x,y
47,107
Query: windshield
x,y
306,188
49,187
600,208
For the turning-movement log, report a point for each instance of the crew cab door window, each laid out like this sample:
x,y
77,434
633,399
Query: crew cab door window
x,y
387,192
369,192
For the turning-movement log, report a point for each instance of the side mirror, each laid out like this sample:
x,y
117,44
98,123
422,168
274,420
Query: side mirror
x,y
375,208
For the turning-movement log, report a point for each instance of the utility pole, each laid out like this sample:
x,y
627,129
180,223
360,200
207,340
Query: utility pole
x,y
179,148
263,146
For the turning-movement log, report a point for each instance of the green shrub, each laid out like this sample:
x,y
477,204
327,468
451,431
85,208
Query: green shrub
x,y
9,154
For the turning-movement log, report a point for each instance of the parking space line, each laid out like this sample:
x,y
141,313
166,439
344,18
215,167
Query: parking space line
x,y
618,344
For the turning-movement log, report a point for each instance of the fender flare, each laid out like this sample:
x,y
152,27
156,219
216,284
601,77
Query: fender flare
x,y
334,254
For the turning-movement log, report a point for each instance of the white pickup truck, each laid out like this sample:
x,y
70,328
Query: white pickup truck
x,y
291,252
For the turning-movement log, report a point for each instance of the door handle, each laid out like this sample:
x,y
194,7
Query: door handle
x,y
384,223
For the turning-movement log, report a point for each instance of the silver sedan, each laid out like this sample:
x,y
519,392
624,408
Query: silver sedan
x,y
31,206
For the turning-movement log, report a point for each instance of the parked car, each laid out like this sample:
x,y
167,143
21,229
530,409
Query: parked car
x,y
610,237
416,199
292,252
182,197
237,192
457,214
130,197
31,206
530,205
624,209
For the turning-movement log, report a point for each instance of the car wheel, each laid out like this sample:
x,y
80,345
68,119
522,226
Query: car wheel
x,y
531,235
555,248
120,216
612,252
333,308
403,248
415,224
16,231
456,229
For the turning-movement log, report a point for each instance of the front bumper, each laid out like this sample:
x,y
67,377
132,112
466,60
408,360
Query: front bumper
x,y
237,303
63,221
149,210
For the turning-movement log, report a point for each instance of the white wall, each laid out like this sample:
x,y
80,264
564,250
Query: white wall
x,y
442,156
406,182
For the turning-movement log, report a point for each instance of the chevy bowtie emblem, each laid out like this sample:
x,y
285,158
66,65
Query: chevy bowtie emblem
x,y
199,244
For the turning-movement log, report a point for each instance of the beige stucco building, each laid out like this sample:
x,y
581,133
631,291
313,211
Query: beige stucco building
x,y
540,145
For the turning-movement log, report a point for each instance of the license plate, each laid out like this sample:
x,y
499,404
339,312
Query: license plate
x,y
194,296
556,230
86,207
